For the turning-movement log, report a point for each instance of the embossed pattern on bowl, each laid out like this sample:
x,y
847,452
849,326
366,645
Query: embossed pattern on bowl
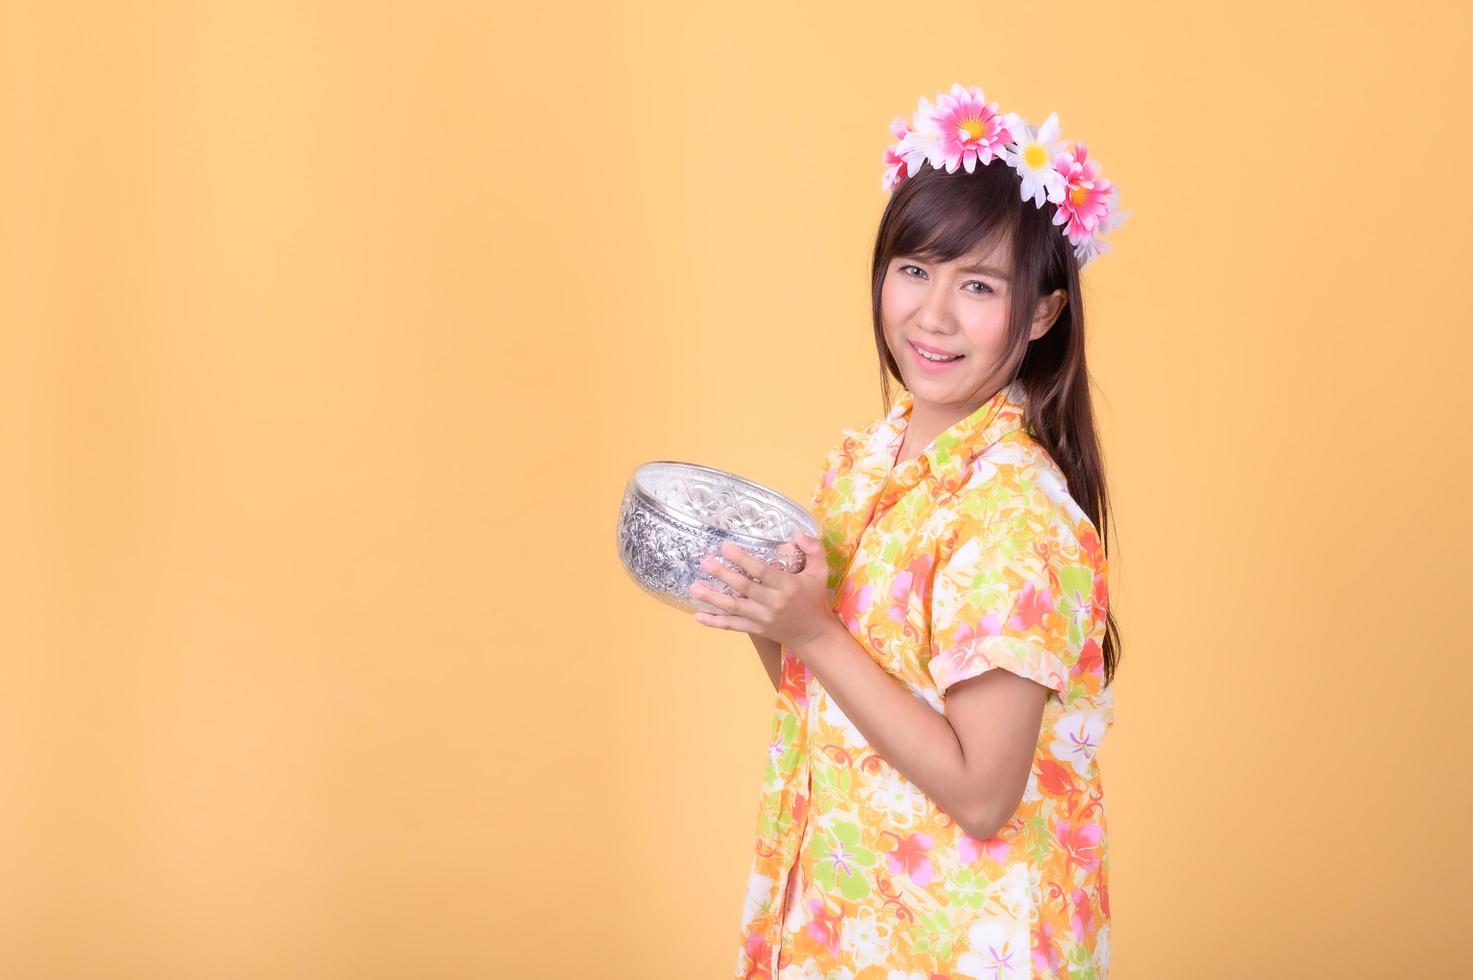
x,y
674,514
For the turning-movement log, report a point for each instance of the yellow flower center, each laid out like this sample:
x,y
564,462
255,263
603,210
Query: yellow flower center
x,y
1077,195
973,128
1035,156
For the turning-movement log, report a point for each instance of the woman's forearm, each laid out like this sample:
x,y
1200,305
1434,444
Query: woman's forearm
x,y
915,738
772,657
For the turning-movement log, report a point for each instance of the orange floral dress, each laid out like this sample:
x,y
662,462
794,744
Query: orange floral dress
x,y
968,556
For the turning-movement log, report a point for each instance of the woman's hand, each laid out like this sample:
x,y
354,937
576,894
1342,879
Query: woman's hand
x,y
791,608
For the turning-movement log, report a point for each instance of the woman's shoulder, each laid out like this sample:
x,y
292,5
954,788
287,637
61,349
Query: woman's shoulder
x,y
1016,478
841,460
853,443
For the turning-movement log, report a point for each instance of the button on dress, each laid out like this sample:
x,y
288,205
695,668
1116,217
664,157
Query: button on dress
x,y
969,556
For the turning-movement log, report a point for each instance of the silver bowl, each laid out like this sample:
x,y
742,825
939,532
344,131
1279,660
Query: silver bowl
x,y
675,514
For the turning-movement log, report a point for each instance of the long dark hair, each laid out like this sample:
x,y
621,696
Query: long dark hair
x,y
943,216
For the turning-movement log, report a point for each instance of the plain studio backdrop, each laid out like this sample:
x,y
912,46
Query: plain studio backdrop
x,y
330,334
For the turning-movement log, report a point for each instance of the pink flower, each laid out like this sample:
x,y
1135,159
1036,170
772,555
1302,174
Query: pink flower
x,y
1083,914
989,625
759,951
1088,197
825,926
1032,606
997,848
900,588
852,603
910,859
895,168
1080,842
1090,207
969,848
1046,955
967,129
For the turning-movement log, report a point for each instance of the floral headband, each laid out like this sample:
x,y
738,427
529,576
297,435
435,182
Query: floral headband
x,y
962,128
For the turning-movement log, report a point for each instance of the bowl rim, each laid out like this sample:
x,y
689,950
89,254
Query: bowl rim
x,y
810,526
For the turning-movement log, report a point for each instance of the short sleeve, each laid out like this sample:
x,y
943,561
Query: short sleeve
x,y
1016,592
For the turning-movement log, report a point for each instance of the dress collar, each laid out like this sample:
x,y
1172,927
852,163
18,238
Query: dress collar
x,y
950,454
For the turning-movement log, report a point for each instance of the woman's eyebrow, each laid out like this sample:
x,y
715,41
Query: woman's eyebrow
x,y
985,270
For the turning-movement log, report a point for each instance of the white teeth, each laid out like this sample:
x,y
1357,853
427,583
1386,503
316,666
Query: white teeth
x,y
935,357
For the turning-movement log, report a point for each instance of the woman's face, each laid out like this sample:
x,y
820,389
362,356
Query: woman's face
x,y
952,308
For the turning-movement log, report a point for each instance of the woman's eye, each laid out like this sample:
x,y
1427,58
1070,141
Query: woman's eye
x,y
970,282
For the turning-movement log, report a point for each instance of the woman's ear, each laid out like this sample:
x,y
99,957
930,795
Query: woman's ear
x,y
1049,309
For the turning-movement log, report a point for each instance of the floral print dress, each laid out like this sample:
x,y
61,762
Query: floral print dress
x,y
968,556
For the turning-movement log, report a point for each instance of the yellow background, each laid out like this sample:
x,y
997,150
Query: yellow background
x,y
332,332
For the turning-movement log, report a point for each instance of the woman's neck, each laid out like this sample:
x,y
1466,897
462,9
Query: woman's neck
x,y
918,437
928,421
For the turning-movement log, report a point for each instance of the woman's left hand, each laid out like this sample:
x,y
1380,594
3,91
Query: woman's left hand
x,y
791,608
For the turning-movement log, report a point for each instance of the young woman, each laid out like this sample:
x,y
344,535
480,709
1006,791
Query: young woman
x,y
923,814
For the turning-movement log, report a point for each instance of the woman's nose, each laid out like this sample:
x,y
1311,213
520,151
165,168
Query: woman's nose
x,y
933,316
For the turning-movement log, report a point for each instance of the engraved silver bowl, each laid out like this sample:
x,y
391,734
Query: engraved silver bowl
x,y
675,514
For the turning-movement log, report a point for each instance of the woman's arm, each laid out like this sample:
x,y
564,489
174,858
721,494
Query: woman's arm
x,y
772,657
973,759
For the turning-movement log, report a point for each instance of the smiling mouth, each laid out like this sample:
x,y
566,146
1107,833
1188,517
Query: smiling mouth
x,y
935,358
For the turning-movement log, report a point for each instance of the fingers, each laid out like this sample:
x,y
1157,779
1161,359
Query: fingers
x,y
713,597
748,562
754,567
717,570
727,604
722,621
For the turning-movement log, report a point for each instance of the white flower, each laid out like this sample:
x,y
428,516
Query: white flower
x,y
1031,154
1090,249
866,939
923,142
1077,737
999,951
1114,217
759,894
1012,891
892,795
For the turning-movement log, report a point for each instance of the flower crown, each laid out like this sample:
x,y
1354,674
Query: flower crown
x,y
962,128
